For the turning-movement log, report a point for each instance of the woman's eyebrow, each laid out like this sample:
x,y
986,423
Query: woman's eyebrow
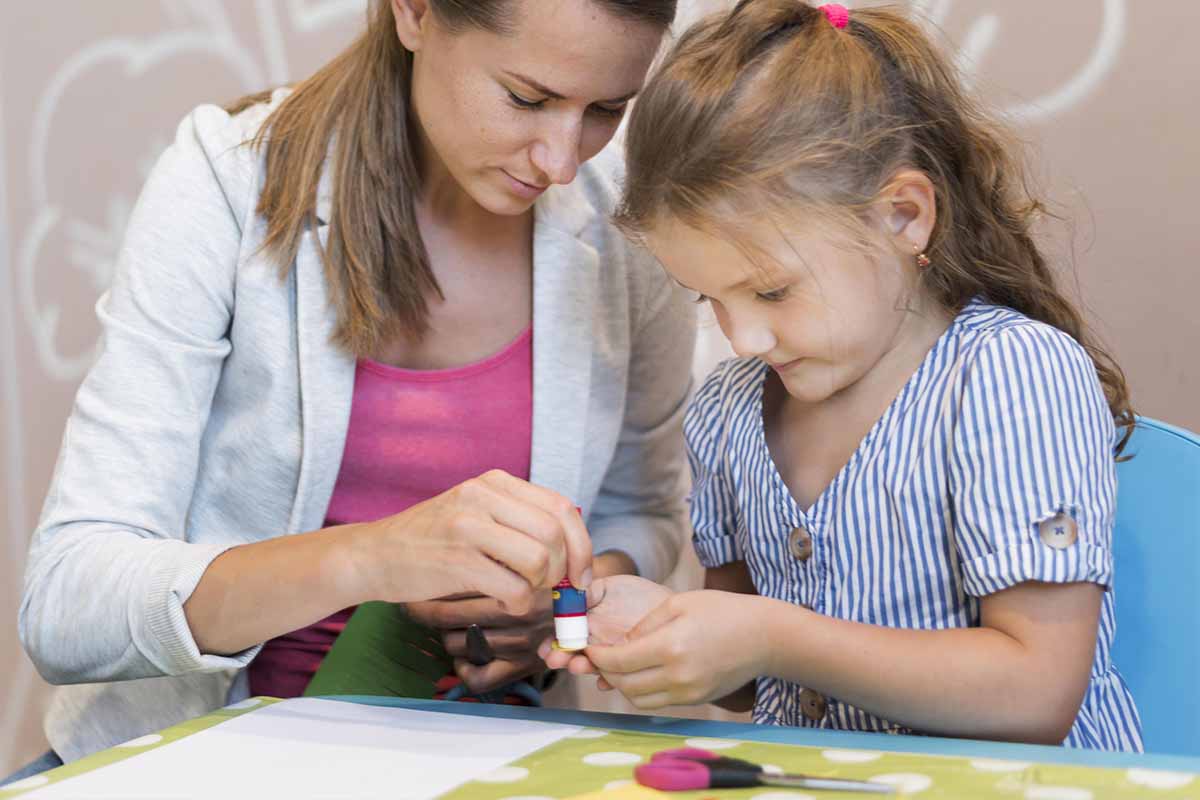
x,y
553,95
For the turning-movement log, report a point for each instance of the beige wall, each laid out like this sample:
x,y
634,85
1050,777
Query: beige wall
x,y
91,92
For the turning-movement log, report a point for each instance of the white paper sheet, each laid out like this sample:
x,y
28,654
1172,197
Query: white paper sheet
x,y
321,749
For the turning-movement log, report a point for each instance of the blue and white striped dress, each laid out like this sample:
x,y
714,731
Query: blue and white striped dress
x,y
1003,426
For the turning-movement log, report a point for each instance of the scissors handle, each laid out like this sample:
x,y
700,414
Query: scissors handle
x,y
704,756
681,775
690,768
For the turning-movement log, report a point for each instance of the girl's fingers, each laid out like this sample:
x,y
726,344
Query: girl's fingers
x,y
628,657
652,701
663,613
581,665
596,592
640,684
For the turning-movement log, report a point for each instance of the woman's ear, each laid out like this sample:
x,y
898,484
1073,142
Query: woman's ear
x,y
908,210
412,21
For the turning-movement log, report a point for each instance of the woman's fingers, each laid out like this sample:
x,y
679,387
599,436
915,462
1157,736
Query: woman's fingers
x,y
523,555
485,612
558,526
491,575
495,674
503,641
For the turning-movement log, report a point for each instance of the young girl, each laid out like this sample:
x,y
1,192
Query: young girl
x,y
904,487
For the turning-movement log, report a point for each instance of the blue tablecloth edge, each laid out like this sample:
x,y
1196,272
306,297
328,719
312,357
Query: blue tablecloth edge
x,y
715,729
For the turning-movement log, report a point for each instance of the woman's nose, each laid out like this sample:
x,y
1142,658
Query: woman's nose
x,y
556,153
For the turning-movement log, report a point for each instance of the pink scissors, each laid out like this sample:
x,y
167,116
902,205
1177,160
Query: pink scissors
x,y
689,768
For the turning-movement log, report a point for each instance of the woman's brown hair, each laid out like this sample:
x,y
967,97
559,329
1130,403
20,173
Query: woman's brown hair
x,y
352,116
781,110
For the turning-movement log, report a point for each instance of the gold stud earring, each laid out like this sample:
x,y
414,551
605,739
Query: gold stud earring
x,y
922,259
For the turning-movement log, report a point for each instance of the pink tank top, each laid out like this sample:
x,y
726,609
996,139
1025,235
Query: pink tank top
x,y
413,434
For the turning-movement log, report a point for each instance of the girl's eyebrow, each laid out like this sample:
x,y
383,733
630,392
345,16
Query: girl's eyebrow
x,y
736,287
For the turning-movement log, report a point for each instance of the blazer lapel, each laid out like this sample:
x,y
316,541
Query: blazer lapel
x,y
564,299
326,380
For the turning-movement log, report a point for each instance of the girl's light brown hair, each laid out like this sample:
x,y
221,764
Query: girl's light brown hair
x,y
770,108
353,117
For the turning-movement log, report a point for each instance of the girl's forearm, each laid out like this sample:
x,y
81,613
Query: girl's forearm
x,y
967,682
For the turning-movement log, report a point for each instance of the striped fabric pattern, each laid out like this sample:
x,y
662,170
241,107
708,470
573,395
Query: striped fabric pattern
x,y
1002,426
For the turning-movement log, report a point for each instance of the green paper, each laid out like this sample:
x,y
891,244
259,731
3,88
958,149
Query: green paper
x,y
384,653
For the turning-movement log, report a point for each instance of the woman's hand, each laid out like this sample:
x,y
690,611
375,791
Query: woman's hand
x,y
514,639
693,648
615,605
495,535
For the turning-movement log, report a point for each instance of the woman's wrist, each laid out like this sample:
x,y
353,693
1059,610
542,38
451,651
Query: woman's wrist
x,y
355,563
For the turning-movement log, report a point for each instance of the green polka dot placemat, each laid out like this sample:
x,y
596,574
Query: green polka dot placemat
x,y
133,747
595,760
599,760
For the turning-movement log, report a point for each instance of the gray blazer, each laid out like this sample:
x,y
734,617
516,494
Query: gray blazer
x,y
217,410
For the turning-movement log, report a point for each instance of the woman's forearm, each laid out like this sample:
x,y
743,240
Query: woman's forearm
x,y
255,592
968,682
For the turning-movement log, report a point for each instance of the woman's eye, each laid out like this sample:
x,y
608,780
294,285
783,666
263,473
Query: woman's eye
x,y
521,102
700,299
606,111
773,296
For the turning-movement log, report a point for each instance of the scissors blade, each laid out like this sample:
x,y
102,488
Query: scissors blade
x,y
828,784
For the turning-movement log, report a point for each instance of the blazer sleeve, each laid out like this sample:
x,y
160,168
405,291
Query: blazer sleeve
x,y
641,507
109,565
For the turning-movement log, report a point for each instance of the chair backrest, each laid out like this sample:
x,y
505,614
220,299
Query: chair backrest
x,y
1156,552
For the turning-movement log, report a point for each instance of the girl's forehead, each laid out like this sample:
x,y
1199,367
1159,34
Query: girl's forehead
x,y
720,255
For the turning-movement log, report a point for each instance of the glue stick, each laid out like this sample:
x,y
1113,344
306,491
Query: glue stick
x,y
570,617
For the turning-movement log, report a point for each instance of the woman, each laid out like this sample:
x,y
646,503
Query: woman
x,y
384,313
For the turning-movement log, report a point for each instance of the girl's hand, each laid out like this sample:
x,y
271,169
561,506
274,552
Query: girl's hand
x,y
615,605
494,535
695,647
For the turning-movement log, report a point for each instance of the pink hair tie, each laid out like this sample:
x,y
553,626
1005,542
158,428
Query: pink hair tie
x,y
838,15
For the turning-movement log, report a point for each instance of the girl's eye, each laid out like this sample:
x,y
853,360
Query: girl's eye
x,y
521,102
700,299
773,296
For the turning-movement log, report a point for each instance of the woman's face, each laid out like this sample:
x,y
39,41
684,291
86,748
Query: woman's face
x,y
508,114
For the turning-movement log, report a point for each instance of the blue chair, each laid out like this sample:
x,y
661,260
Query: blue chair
x,y
1157,583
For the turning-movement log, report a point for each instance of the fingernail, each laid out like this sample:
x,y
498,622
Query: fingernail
x,y
586,577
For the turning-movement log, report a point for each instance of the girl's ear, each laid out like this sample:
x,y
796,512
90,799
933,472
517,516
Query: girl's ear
x,y
908,210
412,20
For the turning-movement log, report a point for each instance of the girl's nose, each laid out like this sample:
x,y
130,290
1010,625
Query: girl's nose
x,y
748,337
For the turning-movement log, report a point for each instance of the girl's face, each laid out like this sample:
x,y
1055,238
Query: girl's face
x,y
509,114
818,310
